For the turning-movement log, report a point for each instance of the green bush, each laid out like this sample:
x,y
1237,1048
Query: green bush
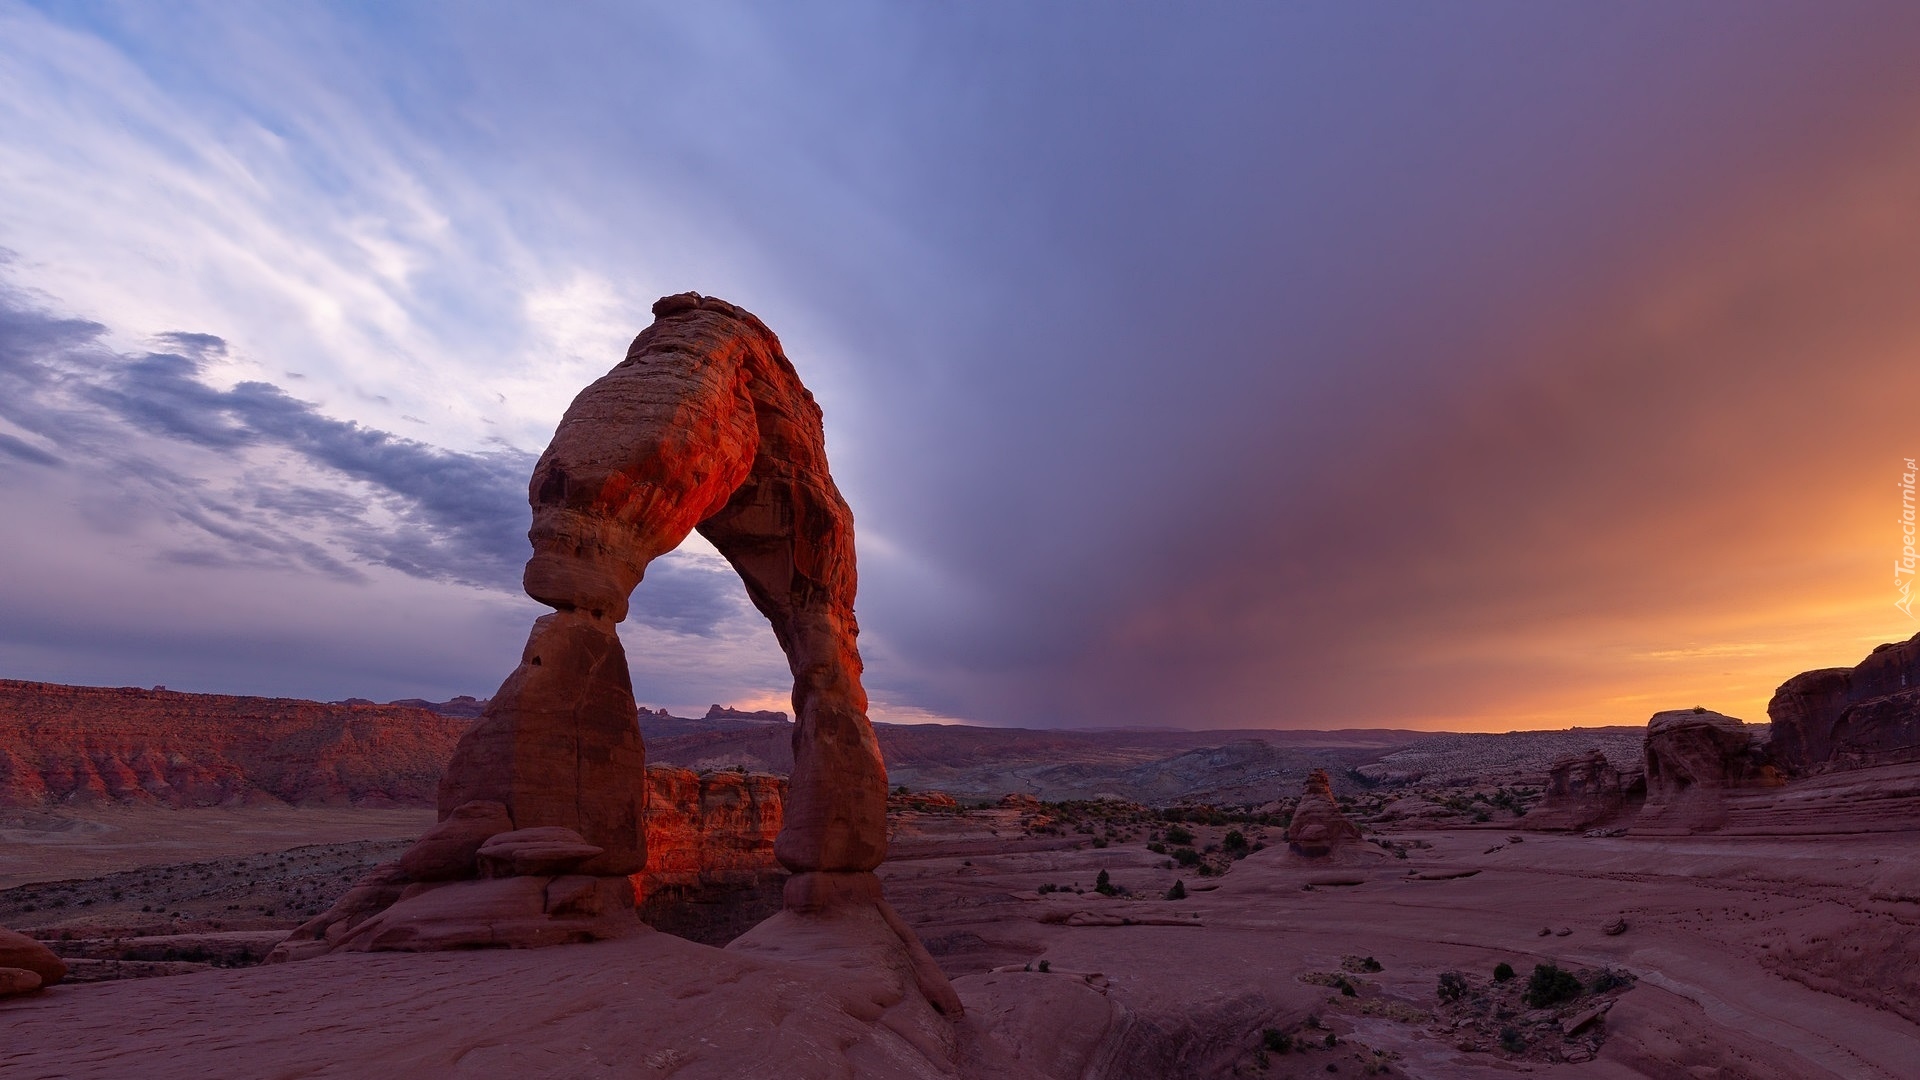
x,y
1276,1040
1104,885
1235,840
1453,986
1550,986
1186,856
1502,971
1369,964
1178,835
1511,1040
1178,892
1044,965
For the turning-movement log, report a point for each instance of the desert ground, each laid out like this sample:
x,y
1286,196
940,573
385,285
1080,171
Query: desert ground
x,y
1732,956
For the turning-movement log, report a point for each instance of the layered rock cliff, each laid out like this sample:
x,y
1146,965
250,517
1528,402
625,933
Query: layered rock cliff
x,y
81,745
1849,718
710,870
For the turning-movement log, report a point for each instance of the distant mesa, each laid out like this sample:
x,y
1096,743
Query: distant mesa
x,y
722,712
1849,718
172,749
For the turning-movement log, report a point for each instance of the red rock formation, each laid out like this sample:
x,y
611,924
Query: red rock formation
x,y
705,424
1318,829
1582,790
77,745
1693,758
710,870
1839,718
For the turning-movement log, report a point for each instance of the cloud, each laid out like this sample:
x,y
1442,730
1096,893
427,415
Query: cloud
x,y
261,477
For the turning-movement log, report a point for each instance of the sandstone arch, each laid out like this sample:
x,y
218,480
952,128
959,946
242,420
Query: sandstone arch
x,y
704,425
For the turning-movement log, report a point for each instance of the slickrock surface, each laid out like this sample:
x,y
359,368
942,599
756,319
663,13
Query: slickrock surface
x,y
1583,790
1837,718
77,746
1694,757
647,1005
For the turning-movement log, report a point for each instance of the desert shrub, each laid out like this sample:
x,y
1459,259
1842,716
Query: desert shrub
x,y
1157,848
1453,986
1044,889
1178,835
1550,985
1511,1040
1178,892
1346,988
1482,815
1235,840
1104,885
1368,963
1502,971
1044,966
1186,856
1099,841
1276,1040
1332,1040
1608,980
1204,870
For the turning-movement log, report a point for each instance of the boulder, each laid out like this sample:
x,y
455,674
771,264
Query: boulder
x,y
447,851
546,851
1840,718
24,953
1318,828
18,981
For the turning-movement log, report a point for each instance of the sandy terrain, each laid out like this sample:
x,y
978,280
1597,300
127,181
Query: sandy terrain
x,y
51,846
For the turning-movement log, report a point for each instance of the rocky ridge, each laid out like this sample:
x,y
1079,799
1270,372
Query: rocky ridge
x,y
87,745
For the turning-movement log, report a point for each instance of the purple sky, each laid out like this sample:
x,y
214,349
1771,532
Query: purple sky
x,y
1309,365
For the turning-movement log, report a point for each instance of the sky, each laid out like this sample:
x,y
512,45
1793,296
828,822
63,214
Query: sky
x,y
1472,367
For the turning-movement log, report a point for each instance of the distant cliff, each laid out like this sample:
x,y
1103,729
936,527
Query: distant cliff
x,y
87,745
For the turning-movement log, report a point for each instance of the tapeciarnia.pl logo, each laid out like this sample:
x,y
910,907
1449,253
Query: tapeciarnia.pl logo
x,y
1903,566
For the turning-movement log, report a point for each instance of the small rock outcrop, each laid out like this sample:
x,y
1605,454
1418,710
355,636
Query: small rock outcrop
x,y
26,965
1843,718
1318,828
1583,790
1694,758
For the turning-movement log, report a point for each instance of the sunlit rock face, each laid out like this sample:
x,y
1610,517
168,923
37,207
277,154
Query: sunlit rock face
x,y
710,874
1841,718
